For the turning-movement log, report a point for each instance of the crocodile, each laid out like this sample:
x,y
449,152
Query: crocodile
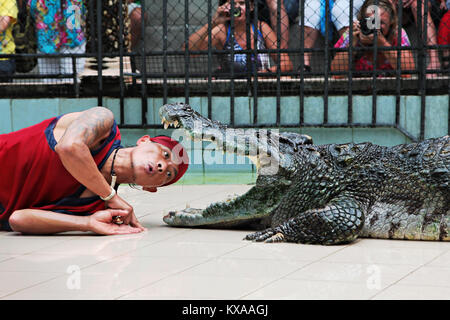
x,y
323,194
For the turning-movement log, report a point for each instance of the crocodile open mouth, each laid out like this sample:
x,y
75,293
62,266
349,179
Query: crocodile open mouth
x,y
197,127
267,149
271,152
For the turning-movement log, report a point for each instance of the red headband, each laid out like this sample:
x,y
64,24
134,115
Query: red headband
x,y
176,147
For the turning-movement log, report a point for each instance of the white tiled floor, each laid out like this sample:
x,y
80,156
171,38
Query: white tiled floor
x,y
181,263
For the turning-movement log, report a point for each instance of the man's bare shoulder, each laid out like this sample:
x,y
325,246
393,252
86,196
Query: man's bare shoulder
x,y
68,119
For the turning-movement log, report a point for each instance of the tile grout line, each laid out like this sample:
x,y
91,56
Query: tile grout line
x,y
91,265
39,283
31,286
395,282
45,247
408,274
63,275
10,258
125,253
286,275
178,272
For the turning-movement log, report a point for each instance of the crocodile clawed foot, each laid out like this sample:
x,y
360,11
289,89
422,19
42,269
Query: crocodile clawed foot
x,y
277,237
268,236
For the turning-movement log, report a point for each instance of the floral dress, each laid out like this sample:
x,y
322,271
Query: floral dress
x,y
8,8
58,23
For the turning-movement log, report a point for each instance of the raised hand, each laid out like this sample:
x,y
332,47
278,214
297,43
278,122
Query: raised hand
x,y
117,202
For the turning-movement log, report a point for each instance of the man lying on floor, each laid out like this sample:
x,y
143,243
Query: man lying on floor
x,y
63,173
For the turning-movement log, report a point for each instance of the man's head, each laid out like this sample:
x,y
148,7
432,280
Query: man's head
x,y
158,162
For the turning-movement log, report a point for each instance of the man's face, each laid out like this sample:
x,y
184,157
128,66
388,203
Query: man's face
x,y
153,164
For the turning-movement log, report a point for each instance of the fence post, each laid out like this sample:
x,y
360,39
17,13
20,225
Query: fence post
x,y
99,54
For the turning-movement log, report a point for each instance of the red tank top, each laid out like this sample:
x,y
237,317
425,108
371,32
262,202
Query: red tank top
x,y
33,177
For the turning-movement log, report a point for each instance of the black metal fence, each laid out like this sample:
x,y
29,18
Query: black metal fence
x,y
254,48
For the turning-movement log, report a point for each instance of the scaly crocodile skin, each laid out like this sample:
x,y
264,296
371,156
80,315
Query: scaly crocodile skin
x,y
331,194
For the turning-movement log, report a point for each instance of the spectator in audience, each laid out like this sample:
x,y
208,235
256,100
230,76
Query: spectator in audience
x,y
386,37
222,39
315,21
8,16
59,29
444,34
444,5
267,12
135,14
433,62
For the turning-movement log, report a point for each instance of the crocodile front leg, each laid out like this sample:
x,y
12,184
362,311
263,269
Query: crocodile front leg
x,y
338,222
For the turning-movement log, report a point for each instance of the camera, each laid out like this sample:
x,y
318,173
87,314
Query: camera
x,y
236,12
364,26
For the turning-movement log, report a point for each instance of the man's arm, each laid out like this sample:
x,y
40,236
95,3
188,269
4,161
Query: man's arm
x,y
340,60
270,39
4,22
8,15
74,148
81,135
406,57
33,221
284,21
199,39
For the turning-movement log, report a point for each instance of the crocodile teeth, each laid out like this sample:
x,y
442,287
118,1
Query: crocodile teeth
x,y
163,120
166,124
176,124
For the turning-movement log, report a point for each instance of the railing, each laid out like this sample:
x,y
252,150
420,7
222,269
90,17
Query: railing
x,y
165,63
